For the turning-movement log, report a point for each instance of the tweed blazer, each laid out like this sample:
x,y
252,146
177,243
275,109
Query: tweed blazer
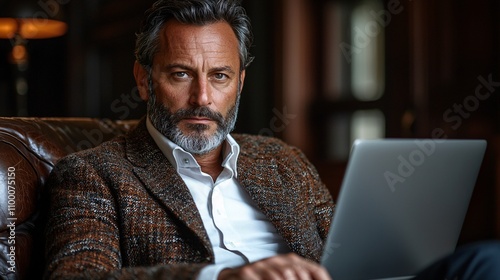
x,y
120,210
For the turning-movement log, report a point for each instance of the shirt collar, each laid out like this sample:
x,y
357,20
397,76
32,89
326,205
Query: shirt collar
x,y
180,158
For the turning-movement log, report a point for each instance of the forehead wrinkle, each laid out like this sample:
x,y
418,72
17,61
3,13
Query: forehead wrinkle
x,y
191,62
210,60
204,46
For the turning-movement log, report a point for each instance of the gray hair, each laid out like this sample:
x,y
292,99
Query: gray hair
x,y
196,12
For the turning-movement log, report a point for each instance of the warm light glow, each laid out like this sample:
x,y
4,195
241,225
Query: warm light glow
x,y
37,28
8,27
19,53
42,28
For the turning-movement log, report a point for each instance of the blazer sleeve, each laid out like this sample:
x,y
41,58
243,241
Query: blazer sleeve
x,y
83,233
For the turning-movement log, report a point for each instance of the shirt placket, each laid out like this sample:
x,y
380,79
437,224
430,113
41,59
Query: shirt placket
x,y
230,238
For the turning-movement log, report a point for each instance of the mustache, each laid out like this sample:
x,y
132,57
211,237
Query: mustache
x,y
199,112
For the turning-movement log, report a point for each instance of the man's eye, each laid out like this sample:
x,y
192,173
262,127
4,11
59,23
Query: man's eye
x,y
180,75
220,76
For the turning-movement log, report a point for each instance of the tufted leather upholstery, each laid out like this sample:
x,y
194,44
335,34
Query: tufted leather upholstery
x,y
29,148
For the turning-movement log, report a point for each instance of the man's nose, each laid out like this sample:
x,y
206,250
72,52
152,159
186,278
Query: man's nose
x,y
201,93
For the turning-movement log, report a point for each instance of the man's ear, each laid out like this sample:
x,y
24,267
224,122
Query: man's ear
x,y
141,79
242,79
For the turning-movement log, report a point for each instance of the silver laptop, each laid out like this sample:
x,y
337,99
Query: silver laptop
x,y
401,206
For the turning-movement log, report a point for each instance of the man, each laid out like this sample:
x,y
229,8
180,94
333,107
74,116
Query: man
x,y
179,197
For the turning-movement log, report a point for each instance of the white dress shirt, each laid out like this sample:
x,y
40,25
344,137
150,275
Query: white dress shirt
x,y
239,232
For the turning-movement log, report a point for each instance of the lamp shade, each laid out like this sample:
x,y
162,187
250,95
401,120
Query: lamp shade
x,y
31,19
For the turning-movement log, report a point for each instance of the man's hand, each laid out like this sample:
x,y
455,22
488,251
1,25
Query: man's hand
x,y
281,267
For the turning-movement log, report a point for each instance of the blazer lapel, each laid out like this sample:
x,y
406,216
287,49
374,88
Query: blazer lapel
x,y
261,179
163,182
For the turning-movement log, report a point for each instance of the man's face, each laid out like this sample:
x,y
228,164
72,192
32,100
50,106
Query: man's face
x,y
195,81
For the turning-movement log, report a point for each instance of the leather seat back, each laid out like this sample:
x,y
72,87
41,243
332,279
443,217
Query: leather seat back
x,y
29,148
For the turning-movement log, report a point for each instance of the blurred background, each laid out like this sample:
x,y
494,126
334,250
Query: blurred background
x,y
326,72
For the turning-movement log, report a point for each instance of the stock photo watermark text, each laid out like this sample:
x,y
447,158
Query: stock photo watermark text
x,y
362,36
407,164
454,115
11,218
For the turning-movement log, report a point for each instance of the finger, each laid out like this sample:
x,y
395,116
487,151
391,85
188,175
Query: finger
x,y
308,270
303,274
292,266
290,274
262,270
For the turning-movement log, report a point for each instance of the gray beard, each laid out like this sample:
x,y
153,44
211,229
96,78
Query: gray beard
x,y
195,142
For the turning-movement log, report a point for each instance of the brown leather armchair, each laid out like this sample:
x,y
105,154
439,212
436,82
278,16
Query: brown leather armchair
x,y
29,148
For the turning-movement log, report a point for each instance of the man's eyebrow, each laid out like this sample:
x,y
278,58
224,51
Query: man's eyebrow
x,y
186,67
223,69
178,65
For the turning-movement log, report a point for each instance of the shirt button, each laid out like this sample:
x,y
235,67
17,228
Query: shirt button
x,y
186,161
